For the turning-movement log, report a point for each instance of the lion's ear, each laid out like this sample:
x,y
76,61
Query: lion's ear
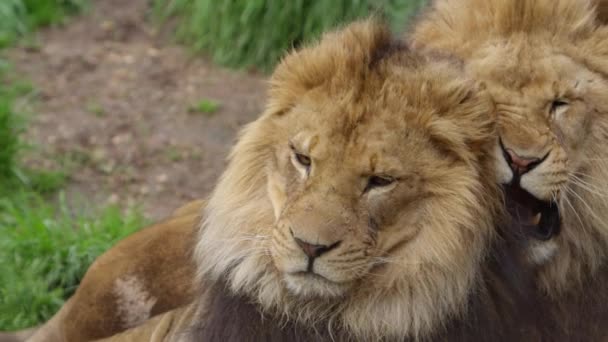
x,y
338,54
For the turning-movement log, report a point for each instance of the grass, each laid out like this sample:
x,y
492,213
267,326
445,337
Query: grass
x,y
96,109
257,33
45,250
46,245
11,126
9,142
205,106
20,17
12,174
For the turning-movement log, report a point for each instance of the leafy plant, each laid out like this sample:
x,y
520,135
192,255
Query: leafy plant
x,y
12,21
19,17
205,106
45,251
257,33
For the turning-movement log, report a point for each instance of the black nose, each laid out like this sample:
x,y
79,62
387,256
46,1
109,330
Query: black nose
x,y
314,251
518,164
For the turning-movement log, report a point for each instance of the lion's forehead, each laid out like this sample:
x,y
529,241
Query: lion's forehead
x,y
529,64
381,143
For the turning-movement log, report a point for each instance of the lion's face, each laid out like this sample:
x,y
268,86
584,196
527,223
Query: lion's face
x,y
551,111
359,196
546,104
352,195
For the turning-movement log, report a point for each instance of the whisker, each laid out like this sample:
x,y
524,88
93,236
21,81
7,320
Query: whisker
x,y
591,211
587,186
567,201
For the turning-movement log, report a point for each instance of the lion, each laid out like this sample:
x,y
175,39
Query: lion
x,y
545,63
148,273
360,206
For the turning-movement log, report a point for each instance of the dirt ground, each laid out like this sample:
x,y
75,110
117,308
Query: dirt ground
x,y
114,108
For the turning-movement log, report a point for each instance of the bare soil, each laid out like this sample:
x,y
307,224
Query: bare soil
x,y
114,108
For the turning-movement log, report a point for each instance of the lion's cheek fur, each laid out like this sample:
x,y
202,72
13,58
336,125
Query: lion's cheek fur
x,y
276,193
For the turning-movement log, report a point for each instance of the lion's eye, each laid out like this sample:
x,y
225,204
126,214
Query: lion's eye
x,y
300,158
304,160
557,107
378,182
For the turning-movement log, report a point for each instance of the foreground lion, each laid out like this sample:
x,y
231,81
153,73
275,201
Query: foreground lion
x,y
360,206
147,273
545,63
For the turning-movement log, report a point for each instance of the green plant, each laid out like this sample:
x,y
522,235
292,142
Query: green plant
x,y
49,12
45,245
205,106
12,174
19,17
12,21
9,141
11,126
96,109
256,33
45,251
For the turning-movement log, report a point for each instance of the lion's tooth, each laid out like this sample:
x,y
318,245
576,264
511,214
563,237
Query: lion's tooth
x,y
536,219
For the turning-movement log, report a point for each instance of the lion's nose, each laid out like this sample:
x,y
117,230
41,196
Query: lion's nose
x,y
518,164
314,251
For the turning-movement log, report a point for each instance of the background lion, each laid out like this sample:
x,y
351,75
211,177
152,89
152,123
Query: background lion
x,y
545,62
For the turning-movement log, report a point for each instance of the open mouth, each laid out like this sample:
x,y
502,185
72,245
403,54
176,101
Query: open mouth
x,y
539,219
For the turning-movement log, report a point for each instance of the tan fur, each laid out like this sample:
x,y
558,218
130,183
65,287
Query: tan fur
x,y
171,326
530,53
148,273
18,336
408,252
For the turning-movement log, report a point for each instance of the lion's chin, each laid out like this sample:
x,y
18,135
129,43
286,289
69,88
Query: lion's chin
x,y
310,285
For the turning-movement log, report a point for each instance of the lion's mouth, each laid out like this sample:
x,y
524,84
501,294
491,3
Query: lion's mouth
x,y
539,219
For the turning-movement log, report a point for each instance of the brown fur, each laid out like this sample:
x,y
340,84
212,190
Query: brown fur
x,y
356,106
153,265
602,11
530,53
328,99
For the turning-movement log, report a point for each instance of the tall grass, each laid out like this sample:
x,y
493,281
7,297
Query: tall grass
x,y
19,17
256,33
11,126
12,123
9,141
46,249
45,245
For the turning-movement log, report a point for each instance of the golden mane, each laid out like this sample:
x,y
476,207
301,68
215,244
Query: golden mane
x,y
461,27
350,66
